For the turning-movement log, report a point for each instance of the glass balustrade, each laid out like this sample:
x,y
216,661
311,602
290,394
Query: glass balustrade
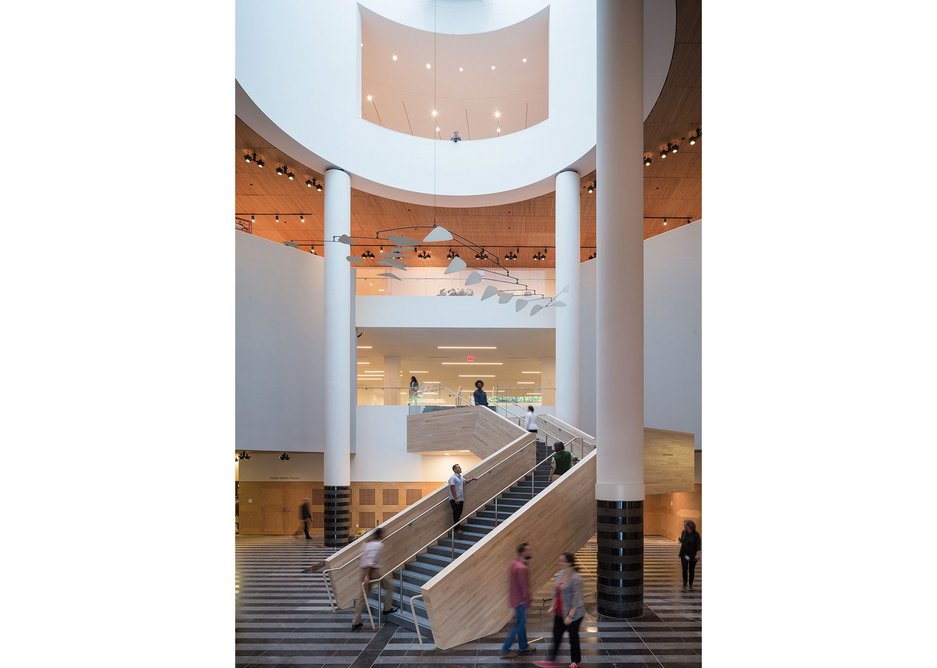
x,y
432,282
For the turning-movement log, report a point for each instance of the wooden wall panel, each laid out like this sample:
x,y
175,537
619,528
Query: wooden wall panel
x,y
664,514
492,432
274,507
410,529
469,598
668,461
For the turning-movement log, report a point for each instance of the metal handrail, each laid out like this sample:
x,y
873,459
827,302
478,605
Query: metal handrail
x,y
419,636
328,571
477,508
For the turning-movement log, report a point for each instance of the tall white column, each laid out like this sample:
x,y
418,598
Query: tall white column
x,y
338,358
567,317
392,380
619,393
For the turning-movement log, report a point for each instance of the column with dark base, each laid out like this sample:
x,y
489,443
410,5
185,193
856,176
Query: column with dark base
x,y
619,489
620,539
339,334
337,515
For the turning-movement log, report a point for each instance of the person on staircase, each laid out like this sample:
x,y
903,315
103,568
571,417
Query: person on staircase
x,y
519,583
567,609
562,461
456,495
530,420
372,556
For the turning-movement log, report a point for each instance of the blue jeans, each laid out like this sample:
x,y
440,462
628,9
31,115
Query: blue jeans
x,y
519,630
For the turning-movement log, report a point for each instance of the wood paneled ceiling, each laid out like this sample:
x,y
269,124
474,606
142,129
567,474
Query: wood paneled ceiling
x,y
672,186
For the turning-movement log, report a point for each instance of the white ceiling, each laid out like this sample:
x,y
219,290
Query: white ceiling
x,y
518,350
404,92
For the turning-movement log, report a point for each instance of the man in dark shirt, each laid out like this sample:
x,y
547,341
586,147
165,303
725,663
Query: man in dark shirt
x,y
306,515
480,396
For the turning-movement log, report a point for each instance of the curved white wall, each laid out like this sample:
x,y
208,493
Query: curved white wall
x,y
298,85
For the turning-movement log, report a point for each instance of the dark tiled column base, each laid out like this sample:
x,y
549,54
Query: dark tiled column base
x,y
620,541
337,506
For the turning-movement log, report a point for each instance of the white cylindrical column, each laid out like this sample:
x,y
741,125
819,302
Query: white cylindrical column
x,y
619,327
567,317
338,359
392,384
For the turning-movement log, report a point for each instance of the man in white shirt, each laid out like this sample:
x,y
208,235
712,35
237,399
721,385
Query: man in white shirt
x,y
456,497
372,554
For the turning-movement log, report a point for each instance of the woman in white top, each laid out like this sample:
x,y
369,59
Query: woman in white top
x,y
530,422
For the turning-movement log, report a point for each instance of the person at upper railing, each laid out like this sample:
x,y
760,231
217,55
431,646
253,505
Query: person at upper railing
x,y
480,396
530,420
414,388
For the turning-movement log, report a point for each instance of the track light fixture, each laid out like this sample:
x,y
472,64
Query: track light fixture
x,y
647,161
280,171
302,219
284,170
540,257
673,147
663,154
591,257
424,255
450,255
511,255
244,454
285,457
382,249
277,220
313,250
695,138
590,188
368,255
310,183
481,255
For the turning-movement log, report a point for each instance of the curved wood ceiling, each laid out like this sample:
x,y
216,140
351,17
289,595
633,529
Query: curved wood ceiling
x,y
672,187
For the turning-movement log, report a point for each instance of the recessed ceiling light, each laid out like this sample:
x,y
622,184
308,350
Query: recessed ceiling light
x,y
363,362
435,113
394,56
497,114
437,128
370,97
365,347
498,130
417,371
460,69
475,375
472,363
530,372
524,60
492,67
466,347
428,66
525,382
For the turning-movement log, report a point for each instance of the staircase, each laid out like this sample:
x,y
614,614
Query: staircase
x,y
426,565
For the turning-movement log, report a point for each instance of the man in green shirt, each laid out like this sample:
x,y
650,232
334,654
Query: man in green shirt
x,y
562,460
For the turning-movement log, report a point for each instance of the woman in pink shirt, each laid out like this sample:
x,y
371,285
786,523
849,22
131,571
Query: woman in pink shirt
x,y
568,610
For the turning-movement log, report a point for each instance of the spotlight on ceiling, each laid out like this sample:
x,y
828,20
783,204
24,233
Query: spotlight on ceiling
x,y
285,457
244,454
424,255
317,185
368,255
277,218
302,218
663,154
313,250
250,157
281,171
590,188
310,183
665,222
591,257
511,255
695,138
482,255
673,147
450,255
540,257
290,176
647,161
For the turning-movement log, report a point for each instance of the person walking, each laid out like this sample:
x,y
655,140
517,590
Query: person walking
x,y
456,495
519,584
414,388
562,461
690,545
530,420
305,513
567,609
479,395
372,556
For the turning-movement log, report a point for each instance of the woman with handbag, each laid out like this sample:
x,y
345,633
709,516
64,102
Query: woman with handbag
x,y
568,610
690,545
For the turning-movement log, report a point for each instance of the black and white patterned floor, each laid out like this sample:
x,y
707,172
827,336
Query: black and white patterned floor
x,y
282,617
